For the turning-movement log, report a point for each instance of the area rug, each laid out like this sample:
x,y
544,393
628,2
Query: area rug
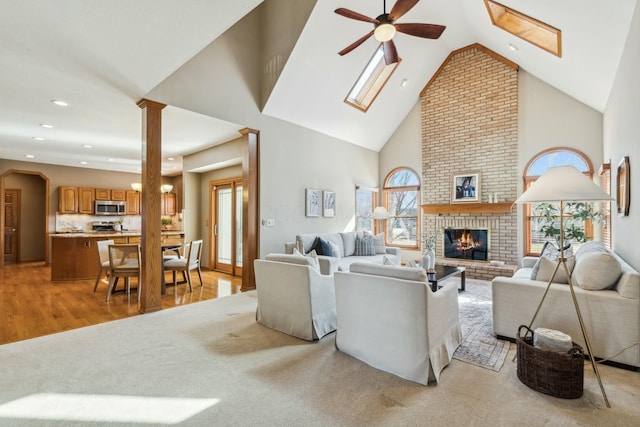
x,y
479,345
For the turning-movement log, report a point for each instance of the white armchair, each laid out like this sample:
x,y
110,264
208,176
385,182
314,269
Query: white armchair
x,y
389,318
293,297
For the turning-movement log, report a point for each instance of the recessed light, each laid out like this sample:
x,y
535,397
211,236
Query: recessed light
x,y
513,47
83,162
29,156
46,125
59,103
170,158
87,146
404,82
38,138
110,160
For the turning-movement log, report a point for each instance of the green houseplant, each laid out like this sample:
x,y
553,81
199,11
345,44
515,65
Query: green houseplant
x,y
167,222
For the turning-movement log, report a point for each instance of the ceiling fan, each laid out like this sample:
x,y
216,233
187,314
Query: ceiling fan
x,y
385,28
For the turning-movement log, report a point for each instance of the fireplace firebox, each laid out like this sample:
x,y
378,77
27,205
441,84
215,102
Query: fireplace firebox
x,y
466,243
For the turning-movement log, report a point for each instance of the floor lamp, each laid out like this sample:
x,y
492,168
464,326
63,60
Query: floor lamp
x,y
566,184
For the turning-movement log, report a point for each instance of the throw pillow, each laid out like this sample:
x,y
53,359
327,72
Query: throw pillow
x,y
388,261
335,249
349,242
321,246
597,271
546,265
378,242
552,253
364,246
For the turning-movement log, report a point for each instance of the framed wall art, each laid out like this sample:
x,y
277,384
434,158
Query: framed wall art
x,y
623,184
328,203
312,202
465,187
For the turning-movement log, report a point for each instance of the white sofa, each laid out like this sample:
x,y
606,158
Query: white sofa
x,y
611,316
346,242
293,297
389,318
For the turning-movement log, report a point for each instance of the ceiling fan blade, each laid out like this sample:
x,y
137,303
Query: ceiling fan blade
x,y
355,44
400,8
427,31
355,15
390,52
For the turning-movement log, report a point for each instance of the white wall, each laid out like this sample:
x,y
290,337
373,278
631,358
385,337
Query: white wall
x,y
622,138
293,158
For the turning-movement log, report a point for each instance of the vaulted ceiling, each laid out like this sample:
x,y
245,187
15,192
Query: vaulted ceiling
x,y
101,57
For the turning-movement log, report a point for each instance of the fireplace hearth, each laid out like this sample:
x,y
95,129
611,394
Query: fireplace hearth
x,y
466,243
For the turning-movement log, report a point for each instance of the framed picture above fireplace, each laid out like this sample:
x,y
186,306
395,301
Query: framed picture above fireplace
x,y
465,187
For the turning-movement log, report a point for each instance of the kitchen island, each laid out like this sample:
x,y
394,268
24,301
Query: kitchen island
x,y
74,256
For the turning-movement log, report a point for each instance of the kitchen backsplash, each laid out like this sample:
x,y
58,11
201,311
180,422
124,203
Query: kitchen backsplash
x,y
76,222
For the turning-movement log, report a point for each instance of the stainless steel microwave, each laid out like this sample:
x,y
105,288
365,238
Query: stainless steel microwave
x,y
110,207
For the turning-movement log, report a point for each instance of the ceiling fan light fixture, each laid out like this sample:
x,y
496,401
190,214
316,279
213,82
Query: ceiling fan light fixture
x,y
384,32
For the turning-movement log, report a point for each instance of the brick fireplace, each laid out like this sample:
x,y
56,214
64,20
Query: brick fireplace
x,y
469,119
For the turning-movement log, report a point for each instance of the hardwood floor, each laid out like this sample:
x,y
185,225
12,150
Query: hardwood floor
x,y
31,305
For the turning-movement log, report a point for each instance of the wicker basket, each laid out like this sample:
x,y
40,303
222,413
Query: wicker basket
x,y
559,374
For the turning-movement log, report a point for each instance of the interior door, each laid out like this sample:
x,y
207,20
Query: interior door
x,y
226,231
11,225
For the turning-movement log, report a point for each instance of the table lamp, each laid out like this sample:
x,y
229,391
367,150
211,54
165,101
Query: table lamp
x,y
566,184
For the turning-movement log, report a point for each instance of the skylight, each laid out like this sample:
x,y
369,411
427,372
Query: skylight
x,y
371,81
527,28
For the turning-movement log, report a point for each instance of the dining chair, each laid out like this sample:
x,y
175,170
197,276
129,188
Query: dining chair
x,y
103,259
191,261
124,261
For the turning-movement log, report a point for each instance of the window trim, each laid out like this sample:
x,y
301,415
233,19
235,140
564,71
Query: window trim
x,y
386,189
375,197
372,79
527,180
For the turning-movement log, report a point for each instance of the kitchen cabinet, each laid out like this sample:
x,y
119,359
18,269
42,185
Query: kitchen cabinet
x,y
103,194
133,202
74,258
168,204
118,195
86,200
68,200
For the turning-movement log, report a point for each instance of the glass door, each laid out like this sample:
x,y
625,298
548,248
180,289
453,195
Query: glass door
x,y
226,238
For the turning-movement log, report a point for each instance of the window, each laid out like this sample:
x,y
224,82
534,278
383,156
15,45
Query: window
x,y
401,193
366,201
527,28
534,238
371,81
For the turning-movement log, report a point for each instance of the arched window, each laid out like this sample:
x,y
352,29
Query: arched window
x,y
534,238
401,195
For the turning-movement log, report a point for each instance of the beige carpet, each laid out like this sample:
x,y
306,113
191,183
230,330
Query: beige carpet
x,y
210,364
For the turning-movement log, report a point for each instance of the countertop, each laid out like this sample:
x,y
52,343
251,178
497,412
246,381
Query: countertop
x,y
66,234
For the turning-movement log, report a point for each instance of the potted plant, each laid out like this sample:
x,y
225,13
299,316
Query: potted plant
x,y
167,222
118,224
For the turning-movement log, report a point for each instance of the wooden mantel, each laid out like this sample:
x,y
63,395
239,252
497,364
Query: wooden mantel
x,y
468,208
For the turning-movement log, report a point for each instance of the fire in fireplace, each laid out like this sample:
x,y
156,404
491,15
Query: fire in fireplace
x,y
465,243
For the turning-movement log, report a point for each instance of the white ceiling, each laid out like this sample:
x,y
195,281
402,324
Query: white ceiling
x,y
101,57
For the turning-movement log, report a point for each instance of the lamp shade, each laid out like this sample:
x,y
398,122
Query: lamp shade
x,y
563,184
380,213
136,186
166,188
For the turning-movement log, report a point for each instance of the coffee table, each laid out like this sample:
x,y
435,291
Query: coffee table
x,y
442,272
